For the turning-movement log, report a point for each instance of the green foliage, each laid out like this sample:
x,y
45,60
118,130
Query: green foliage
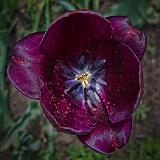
x,y
144,149
25,146
153,12
67,5
140,149
16,135
86,4
7,7
32,112
96,5
4,112
141,112
135,9
79,4
28,147
82,153
47,13
149,149
9,4
156,3
6,26
151,46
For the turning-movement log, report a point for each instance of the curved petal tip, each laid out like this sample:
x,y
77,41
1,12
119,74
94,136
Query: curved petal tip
x,y
23,71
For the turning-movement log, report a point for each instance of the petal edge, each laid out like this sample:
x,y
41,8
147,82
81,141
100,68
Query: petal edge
x,y
23,70
107,139
126,33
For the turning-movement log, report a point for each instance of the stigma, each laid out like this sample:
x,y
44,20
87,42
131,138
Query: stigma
x,y
84,79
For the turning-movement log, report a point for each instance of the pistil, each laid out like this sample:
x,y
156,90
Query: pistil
x,y
83,78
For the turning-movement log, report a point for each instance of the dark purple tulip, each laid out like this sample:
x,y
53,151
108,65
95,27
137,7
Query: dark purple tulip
x,y
85,70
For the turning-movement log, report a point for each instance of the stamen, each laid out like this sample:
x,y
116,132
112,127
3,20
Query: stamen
x,y
73,88
103,104
101,81
93,98
82,61
97,97
99,63
85,81
101,100
86,104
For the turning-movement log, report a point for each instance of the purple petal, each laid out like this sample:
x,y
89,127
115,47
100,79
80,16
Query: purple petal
x,y
73,32
123,76
126,33
107,137
23,70
124,84
63,114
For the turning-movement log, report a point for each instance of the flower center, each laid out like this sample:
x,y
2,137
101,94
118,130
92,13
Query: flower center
x,y
83,78
85,81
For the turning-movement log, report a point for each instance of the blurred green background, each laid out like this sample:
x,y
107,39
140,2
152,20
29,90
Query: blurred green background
x,y
24,132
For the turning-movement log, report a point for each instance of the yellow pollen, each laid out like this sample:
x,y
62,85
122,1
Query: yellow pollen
x,y
83,78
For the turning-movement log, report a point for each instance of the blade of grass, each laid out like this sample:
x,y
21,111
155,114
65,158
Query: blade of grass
x,y
47,13
86,4
5,117
67,5
36,21
96,5
32,112
14,4
29,4
4,111
37,17
4,36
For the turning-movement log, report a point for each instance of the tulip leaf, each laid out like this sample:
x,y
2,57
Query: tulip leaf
x,y
136,10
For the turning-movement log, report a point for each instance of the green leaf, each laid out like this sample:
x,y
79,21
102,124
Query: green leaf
x,y
156,3
86,4
47,13
32,112
141,113
13,4
50,133
82,153
37,17
29,4
96,5
136,10
5,117
67,5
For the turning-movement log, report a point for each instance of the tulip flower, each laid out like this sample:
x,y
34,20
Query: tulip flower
x,y
86,72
